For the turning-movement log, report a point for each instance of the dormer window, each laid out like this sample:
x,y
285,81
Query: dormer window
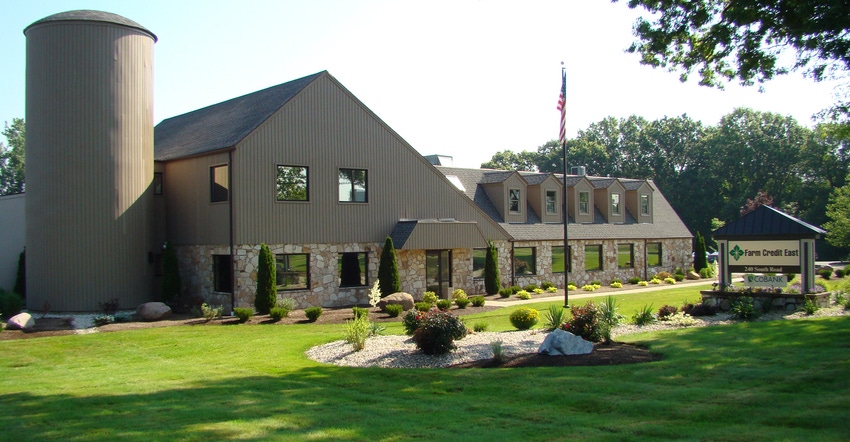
x,y
514,200
644,204
584,203
615,204
551,202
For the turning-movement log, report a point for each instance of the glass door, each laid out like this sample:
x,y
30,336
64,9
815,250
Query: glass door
x,y
438,272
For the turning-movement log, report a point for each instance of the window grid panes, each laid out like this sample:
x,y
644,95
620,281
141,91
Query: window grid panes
x,y
644,204
593,257
584,203
525,261
653,254
514,200
615,203
626,256
551,203
293,271
291,183
353,186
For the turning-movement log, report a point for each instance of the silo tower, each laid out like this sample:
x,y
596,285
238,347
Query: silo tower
x,y
89,117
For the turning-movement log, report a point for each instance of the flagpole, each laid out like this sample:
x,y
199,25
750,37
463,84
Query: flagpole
x,y
562,103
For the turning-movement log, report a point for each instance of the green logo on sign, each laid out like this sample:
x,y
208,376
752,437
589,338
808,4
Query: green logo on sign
x,y
736,253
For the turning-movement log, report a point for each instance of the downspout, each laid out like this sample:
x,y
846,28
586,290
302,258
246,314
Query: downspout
x,y
230,215
512,266
645,260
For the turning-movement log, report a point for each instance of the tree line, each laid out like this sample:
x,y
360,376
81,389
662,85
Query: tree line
x,y
712,174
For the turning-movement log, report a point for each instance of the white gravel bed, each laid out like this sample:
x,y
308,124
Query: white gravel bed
x,y
397,351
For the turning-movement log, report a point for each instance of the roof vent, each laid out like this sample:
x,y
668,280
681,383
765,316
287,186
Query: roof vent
x,y
578,170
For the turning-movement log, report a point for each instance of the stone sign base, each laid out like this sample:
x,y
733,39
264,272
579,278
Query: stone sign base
x,y
782,301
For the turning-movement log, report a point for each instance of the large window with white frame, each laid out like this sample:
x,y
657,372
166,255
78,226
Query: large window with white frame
x,y
583,203
551,202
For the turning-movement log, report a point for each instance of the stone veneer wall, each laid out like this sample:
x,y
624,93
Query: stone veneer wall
x,y
196,269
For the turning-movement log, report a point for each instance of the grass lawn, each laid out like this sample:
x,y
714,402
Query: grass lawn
x,y
781,380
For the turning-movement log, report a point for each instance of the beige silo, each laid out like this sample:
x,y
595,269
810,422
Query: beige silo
x,y
89,117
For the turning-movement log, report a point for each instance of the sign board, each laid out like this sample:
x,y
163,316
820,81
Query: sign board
x,y
765,281
764,256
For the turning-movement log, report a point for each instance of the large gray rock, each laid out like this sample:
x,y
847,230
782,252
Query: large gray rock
x,y
560,342
693,276
153,311
404,299
21,321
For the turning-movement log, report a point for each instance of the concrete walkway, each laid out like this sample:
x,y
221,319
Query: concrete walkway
x,y
627,289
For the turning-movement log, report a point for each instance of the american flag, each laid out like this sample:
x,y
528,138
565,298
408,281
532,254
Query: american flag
x,y
562,107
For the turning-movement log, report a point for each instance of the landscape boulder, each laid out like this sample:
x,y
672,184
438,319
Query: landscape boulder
x,y
404,299
561,342
21,321
153,311
692,276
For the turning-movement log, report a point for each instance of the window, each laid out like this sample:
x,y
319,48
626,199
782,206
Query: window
x,y
593,257
293,271
291,183
584,203
219,185
644,204
525,261
222,273
558,260
513,200
352,269
352,185
157,183
479,256
615,204
551,202
625,256
653,254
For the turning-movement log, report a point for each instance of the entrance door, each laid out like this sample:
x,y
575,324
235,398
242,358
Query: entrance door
x,y
438,272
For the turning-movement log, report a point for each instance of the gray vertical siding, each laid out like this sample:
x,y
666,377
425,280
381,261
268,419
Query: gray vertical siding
x,y
191,218
326,128
89,165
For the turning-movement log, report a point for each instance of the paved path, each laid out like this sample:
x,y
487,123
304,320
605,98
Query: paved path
x,y
580,294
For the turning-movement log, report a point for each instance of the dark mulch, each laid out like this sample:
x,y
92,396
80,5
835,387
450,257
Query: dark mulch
x,y
614,353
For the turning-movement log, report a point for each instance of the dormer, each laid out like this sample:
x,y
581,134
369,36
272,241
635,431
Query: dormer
x,y
544,195
610,196
580,199
508,191
639,199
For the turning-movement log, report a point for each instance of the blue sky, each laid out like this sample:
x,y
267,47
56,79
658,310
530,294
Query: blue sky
x,y
462,78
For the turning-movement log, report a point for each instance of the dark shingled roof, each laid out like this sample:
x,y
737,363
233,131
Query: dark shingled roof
x,y
94,16
767,221
222,125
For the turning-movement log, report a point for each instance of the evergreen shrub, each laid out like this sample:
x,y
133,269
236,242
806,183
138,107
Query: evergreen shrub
x,y
393,310
313,313
524,318
243,313
437,332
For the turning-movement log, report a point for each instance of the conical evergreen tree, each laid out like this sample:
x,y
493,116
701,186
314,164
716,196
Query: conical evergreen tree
x,y
266,297
21,278
388,270
171,283
491,270
700,260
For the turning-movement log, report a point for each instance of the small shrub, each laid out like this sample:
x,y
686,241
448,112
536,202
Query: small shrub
x,y
498,354
552,290
480,326
393,310
599,283
211,312
10,304
811,306
616,280
530,287
423,306
666,311
679,277
243,313
702,310
110,307
478,301
356,332
313,313
644,316
681,319
360,312
546,285
634,280
376,329
410,321
588,287
430,298
437,332
617,285
555,316
515,289
839,273
707,272
538,291
524,318
655,281
662,275
123,317
462,303
585,322
278,313
572,287
444,304
522,294
643,283
744,307
608,317
287,303
669,280
505,293
825,272
459,294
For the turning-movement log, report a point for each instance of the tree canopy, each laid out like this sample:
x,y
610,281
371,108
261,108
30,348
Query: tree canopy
x,y
13,158
745,40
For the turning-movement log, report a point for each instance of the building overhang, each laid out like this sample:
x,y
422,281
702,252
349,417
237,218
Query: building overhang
x,y
437,234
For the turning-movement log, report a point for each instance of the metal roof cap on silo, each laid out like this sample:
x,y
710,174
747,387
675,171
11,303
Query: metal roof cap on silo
x,y
90,15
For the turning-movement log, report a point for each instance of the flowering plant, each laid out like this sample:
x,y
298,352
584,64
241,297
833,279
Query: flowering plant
x,y
375,294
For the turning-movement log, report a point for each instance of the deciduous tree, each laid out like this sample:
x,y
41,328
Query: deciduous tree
x,y
13,158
